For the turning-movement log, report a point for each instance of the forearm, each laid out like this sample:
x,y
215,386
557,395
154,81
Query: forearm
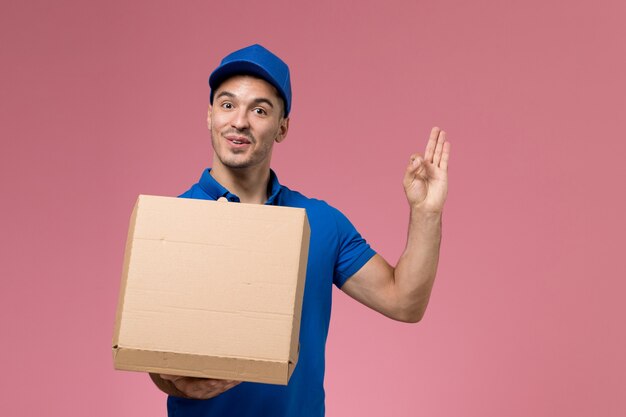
x,y
415,272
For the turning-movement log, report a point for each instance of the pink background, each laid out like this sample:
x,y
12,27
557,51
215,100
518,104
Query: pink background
x,y
102,101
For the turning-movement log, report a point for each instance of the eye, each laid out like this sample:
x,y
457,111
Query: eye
x,y
260,111
227,105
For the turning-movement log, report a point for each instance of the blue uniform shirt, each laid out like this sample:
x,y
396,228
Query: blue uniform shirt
x,y
336,252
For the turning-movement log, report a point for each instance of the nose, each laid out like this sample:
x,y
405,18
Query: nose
x,y
240,119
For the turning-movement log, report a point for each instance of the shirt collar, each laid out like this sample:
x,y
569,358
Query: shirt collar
x,y
216,190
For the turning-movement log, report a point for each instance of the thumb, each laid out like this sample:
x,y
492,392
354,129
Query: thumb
x,y
416,165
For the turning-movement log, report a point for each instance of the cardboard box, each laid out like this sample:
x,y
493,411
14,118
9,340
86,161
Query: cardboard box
x,y
212,289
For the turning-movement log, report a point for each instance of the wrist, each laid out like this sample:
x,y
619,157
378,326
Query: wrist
x,y
426,215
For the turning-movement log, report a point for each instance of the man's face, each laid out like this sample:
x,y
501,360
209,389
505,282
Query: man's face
x,y
245,120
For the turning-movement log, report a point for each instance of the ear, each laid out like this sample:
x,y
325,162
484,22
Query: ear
x,y
208,117
282,130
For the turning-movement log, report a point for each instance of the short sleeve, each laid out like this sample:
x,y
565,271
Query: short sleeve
x,y
353,250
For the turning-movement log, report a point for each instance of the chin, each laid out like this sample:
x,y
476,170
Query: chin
x,y
237,164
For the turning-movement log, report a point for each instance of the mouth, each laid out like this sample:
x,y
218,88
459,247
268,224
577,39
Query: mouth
x,y
237,140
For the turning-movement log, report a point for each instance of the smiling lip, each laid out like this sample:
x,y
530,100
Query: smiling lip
x,y
237,140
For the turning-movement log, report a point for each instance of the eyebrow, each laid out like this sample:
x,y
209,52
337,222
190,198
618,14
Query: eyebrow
x,y
255,101
263,100
225,93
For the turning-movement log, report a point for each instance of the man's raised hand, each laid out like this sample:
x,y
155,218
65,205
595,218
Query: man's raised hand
x,y
426,178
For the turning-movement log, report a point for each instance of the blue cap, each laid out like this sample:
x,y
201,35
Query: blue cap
x,y
257,61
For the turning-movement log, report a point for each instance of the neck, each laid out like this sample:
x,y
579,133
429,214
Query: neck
x,y
249,184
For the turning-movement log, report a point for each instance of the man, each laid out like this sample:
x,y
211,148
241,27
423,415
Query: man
x,y
249,112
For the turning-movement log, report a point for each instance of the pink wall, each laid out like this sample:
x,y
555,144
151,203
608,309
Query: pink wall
x,y
103,101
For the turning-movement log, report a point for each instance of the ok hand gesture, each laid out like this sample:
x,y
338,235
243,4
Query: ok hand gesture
x,y
426,178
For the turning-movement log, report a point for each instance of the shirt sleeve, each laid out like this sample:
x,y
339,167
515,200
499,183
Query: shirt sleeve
x,y
353,250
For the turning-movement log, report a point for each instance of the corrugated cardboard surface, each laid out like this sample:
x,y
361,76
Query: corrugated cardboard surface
x,y
212,289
